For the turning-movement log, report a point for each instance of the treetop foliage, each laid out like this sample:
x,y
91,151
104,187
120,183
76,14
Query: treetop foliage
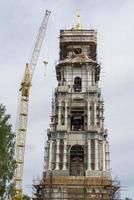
x,y
7,149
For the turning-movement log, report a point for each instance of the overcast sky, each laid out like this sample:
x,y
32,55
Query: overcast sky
x,y
114,21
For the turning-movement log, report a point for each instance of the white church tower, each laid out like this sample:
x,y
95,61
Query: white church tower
x,y
77,151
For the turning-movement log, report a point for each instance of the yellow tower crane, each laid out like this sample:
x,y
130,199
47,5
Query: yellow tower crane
x,y
23,109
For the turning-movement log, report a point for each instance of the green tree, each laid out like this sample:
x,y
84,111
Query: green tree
x,y
7,162
26,197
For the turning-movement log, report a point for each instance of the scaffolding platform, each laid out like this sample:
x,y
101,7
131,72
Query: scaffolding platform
x,y
82,188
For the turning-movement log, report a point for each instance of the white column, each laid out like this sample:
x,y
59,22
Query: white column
x,y
89,154
88,114
59,113
95,114
50,155
104,155
101,116
66,113
93,77
107,157
96,155
66,76
57,154
65,156
90,77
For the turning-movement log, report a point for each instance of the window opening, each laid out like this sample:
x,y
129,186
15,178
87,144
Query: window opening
x,y
77,84
77,121
77,161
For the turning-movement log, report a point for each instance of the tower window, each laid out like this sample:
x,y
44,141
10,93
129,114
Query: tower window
x,y
78,51
77,84
77,123
77,161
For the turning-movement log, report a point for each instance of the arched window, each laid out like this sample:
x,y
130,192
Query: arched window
x,y
77,161
77,123
77,84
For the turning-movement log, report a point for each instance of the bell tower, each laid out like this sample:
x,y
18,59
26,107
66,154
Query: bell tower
x,y
77,164
78,108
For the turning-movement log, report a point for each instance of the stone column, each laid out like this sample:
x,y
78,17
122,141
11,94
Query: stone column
x,y
59,113
50,155
100,110
57,154
88,114
65,155
104,155
93,77
96,154
101,116
107,157
67,76
46,156
90,77
89,154
95,114
66,104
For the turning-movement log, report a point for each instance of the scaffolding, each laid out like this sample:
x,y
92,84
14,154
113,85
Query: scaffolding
x,y
74,188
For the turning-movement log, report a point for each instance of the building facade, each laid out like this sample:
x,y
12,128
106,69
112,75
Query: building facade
x,y
77,164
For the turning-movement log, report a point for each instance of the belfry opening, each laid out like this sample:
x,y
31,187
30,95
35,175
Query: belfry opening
x,y
77,120
77,161
77,84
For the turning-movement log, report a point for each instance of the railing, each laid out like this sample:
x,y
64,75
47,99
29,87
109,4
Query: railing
x,y
93,89
72,38
61,88
61,128
78,32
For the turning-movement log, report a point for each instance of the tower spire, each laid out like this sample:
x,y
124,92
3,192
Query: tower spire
x,y
78,24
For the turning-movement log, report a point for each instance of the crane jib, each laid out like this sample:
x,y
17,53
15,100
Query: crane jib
x,y
37,48
23,109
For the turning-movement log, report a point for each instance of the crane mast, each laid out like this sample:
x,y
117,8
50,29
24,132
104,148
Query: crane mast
x,y
23,109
